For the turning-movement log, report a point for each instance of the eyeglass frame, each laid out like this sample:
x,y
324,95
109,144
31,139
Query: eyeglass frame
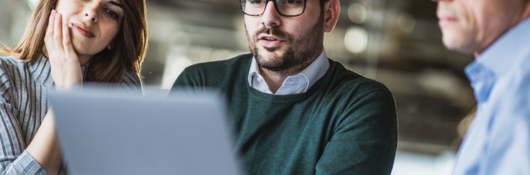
x,y
275,6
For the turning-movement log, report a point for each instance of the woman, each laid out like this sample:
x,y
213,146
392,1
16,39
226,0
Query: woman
x,y
68,42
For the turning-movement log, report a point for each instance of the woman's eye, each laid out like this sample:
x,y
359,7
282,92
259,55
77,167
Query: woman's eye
x,y
112,14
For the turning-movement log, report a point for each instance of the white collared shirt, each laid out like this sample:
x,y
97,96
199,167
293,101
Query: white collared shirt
x,y
293,84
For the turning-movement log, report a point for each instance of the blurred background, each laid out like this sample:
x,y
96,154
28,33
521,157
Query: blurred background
x,y
396,42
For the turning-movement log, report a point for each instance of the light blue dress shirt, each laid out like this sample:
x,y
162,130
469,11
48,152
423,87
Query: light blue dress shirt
x,y
498,141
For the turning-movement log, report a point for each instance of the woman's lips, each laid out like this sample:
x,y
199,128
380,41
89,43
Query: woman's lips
x,y
83,30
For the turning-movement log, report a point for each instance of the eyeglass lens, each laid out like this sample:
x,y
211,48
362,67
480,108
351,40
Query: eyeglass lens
x,y
284,7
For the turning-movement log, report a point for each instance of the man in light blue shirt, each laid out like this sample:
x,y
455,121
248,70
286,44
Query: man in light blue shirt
x,y
498,32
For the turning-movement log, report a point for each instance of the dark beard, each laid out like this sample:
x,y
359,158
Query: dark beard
x,y
299,53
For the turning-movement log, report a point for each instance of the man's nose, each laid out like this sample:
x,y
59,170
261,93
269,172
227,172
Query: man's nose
x,y
271,17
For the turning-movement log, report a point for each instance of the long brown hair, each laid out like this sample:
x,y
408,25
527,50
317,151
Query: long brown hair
x,y
127,49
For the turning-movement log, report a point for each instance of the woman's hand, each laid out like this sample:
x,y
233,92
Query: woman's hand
x,y
65,66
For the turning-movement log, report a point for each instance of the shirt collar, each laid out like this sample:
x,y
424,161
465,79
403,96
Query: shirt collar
x,y
316,69
312,73
509,50
499,58
254,70
41,71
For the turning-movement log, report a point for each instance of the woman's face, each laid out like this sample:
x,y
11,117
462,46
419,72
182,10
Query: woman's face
x,y
93,24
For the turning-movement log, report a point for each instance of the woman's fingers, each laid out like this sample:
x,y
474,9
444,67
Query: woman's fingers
x,y
48,39
65,67
57,33
67,41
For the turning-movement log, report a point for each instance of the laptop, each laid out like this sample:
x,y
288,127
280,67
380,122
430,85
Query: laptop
x,y
106,131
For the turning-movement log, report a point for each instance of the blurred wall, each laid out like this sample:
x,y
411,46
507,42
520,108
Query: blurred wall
x,y
14,16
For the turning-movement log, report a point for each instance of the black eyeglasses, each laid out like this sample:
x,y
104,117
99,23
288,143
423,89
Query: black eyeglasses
x,y
289,8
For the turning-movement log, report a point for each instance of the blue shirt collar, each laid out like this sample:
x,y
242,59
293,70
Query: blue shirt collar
x,y
505,53
508,50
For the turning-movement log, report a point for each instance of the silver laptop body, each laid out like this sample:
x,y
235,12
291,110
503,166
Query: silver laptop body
x,y
107,132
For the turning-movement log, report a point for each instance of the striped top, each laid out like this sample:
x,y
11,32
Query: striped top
x,y
23,105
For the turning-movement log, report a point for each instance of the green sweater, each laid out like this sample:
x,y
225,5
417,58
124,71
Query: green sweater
x,y
343,124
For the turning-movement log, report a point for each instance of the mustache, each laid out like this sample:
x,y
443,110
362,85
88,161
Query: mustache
x,y
273,31
444,10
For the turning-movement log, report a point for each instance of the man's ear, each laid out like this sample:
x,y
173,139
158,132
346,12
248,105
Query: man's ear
x,y
331,14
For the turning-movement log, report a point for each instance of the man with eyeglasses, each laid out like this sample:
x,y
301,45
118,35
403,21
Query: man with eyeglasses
x,y
294,111
498,33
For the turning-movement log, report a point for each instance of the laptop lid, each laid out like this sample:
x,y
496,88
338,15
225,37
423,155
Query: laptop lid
x,y
107,132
